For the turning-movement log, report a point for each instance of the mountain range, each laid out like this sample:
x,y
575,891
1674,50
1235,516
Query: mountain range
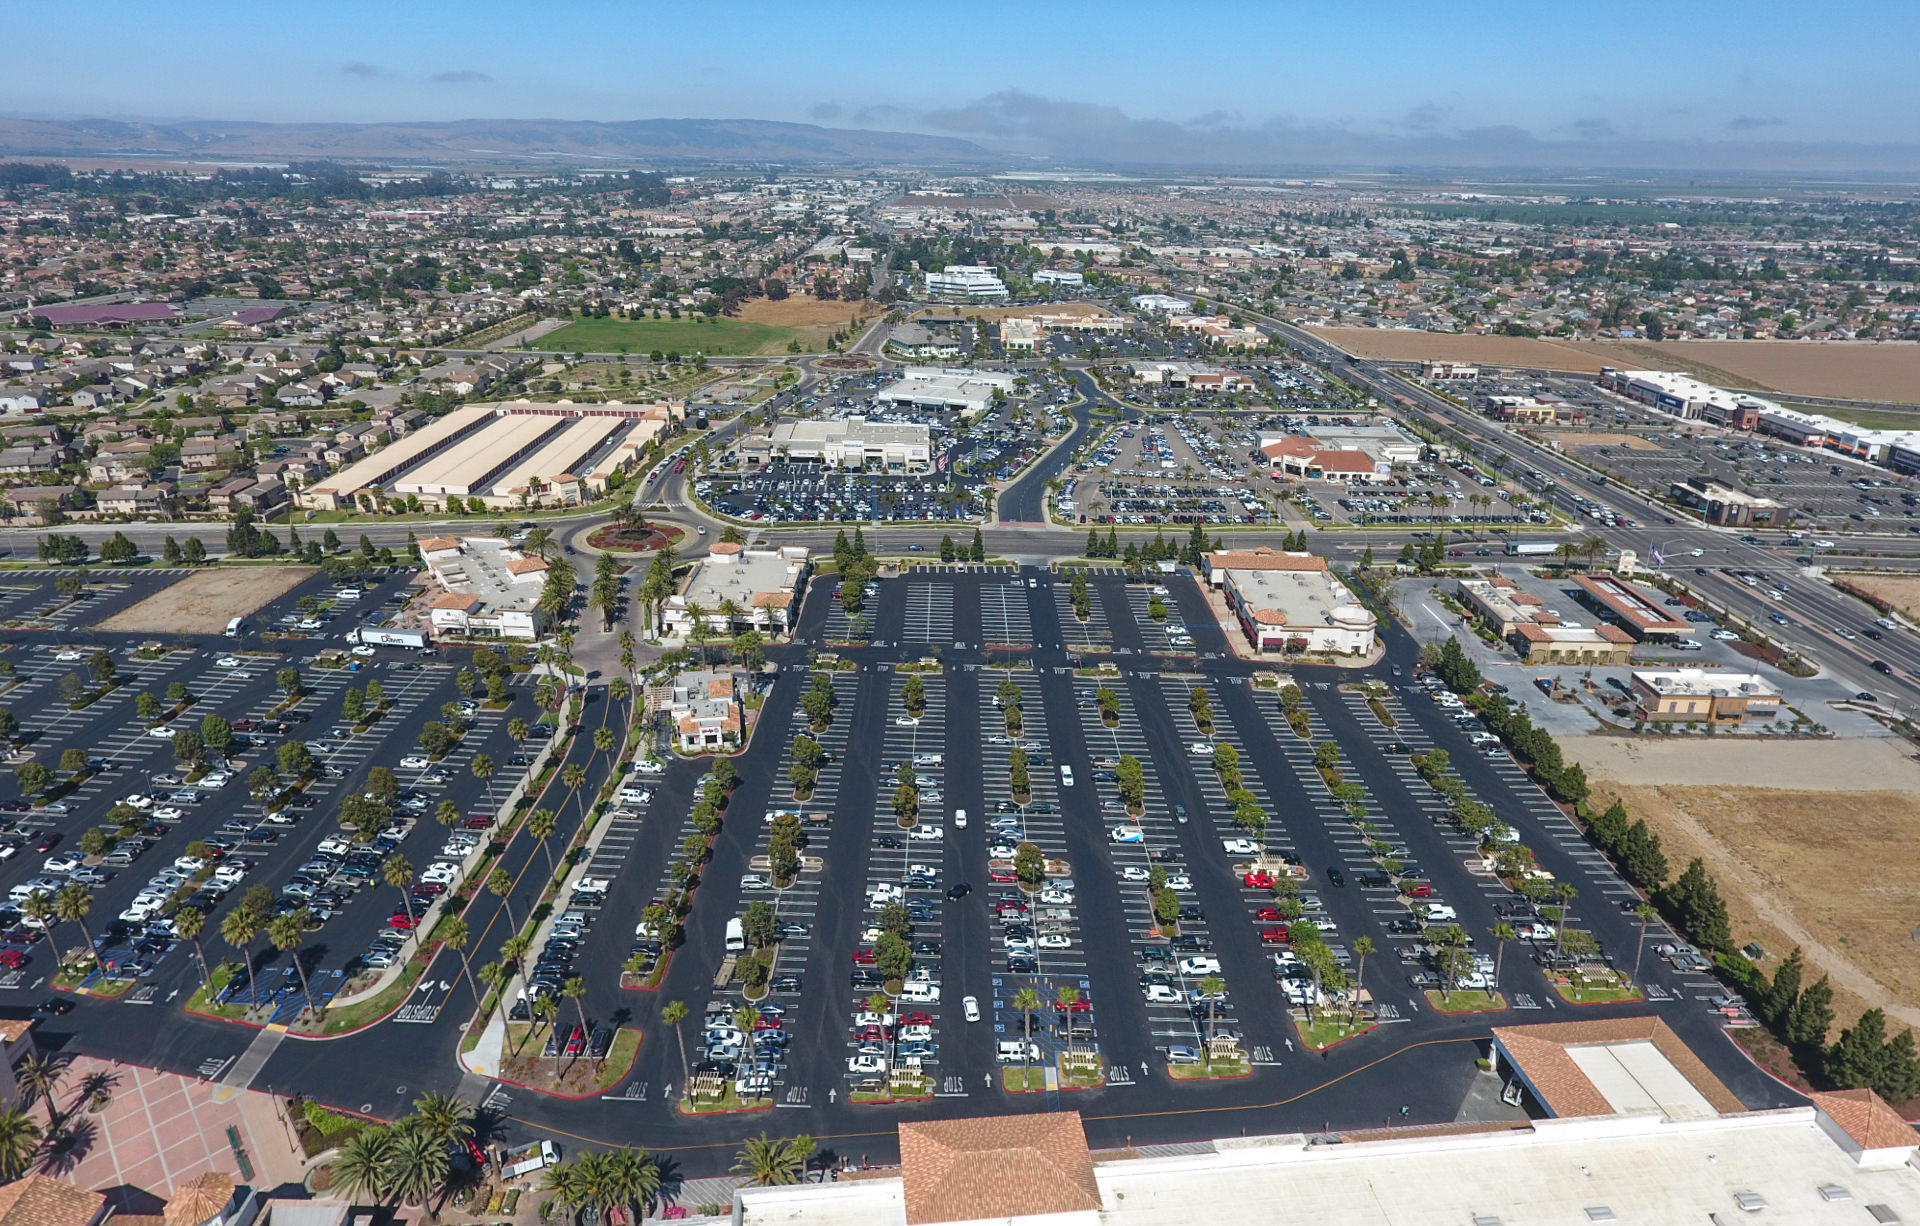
x,y
483,141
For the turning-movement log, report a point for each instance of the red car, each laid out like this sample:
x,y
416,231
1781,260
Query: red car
x,y
767,1023
400,920
1010,908
429,888
1258,881
863,957
479,821
999,876
12,959
1274,936
1082,1005
873,1034
576,1041
48,841
916,1019
1416,889
1268,915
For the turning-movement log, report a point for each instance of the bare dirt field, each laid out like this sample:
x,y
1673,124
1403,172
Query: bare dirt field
x,y
1860,370
1900,591
204,603
801,311
1578,438
1797,864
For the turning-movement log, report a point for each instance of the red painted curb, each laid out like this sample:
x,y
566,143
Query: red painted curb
x,y
1228,1076
1589,1004
694,1115
1468,1012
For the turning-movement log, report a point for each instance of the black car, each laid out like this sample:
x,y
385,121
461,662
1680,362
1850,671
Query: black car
x,y
1193,911
927,949
888,841
1336,877
1190,943
959,890
784,983
864,978
1407,925
1021,965
602,1042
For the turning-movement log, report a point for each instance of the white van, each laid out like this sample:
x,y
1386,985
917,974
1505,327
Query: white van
x,y
235,626
1066,776
959,819
736,936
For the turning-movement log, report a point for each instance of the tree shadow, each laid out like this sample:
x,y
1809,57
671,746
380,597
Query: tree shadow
x,y
68,1145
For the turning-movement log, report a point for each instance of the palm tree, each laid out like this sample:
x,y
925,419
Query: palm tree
x,y
1026,1000
575,777
39,1076
1361,948
19,1141
1502,933
1566,891
72,904
1567,552
697,629
1646,915
1065,999
501,886
455,934
39,908
446,813
547,1009
361,1171
189,922
240,929
603,738
633,1179
768,1163
746,1018
731,610
443,1116
397,872
517,728
575,990
482,769
418,1166
1211,987
541,824
289,932
1593,546
562,1182
675,1013
513,952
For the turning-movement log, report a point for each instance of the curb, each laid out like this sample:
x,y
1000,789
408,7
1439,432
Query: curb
x,y
520,1085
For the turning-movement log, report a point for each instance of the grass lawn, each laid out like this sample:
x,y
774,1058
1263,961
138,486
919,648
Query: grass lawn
x,y
1466,1002
1018,1080
687,336
903,1092
381,1003
1202,1072
1083,1078
1328,1030
1595,994
729,1101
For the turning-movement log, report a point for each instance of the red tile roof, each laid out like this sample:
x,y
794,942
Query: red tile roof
x,y
996,1167
1866,1117
1540,1052
1263,557
42,1200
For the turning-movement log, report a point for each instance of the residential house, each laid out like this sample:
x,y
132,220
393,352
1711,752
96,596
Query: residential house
x,y
154,498
122,461
40,500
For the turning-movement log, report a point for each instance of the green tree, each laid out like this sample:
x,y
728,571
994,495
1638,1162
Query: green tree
x,y
288,933
19,1142
769,1163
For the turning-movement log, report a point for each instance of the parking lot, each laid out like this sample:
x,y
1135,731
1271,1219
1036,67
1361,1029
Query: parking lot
x,y
1162,471
180,822
1108,979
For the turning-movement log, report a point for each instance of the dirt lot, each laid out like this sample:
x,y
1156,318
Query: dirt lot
x,y
1900,591
1797,865
1576,438
204,603
1863,370
801,311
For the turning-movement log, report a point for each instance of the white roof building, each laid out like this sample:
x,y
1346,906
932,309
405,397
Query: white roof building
x,y
953,389
966,281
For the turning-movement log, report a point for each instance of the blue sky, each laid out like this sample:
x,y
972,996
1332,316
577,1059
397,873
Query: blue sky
x,y
1054,79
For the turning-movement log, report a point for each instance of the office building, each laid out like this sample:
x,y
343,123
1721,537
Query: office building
x,y
736,588
853,442
1290,602
489,588
946,389
971,281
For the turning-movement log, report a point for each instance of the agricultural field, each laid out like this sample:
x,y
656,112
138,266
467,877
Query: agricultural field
x,y
687,336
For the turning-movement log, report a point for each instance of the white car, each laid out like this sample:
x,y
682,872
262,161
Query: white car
x,y
1724,635
69,656
165,732
189,864
1179,881
635,796
139,800
334,846
415,762
214,779
1200,966
439,874
1127,834
363,650
1201,749
1056,940
168,813
229,874
63,863
1057,896
228,662
1161,994
1823,543
647,766
905,721
754,881
926,834
1133,872
970,1008
1240,847
1439,913
921,993
866,1064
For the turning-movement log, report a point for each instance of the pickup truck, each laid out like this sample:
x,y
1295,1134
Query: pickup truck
x,y
528,1159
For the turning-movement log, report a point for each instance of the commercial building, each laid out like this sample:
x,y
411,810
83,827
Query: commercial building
x,y
1448,372
1624,1125
1699,695
704,705
973,281
1633,608
736,588
1161,304
912,340
1290,602
1219,331
1341,453
854,442
1530,410
1020,335
358,484
490,589
946,389
1732,508
1055,276
1536,632
1188,375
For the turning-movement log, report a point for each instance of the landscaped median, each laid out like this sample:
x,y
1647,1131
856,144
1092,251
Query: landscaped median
x,y
900,1088
1590,990
726,1102
1470,1001
527,1065
1220,1068
1329,1030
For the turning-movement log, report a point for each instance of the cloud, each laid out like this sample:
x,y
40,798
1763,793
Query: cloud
x,y
459,76
1753,123
1216,119
877,114
355,68
824,112
1025,124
